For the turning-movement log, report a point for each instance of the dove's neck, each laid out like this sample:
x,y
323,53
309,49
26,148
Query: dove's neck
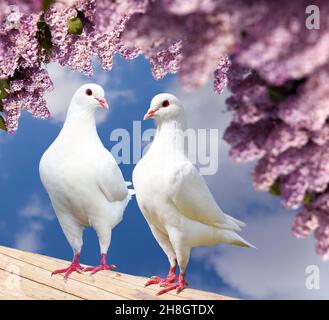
x,y
169,140
80,124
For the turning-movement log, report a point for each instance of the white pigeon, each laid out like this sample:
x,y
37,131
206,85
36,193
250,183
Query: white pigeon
x,y
83,180
174,197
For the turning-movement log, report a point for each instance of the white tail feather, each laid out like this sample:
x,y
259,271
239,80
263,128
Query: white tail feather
x,y
230,237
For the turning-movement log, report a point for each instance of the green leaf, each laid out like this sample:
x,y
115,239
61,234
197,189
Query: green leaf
x,y
2,124
4,86
44,34
275,188
276,94
1,106
46,4
75,26
307,198
280,93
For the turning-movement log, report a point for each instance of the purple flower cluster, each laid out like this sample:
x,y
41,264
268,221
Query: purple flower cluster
x,y
21,65
190,37
70,33
27,92
280,103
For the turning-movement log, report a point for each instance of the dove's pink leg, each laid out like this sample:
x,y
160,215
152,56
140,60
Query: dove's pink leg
x,y
179,286
171,277
75,266
102,266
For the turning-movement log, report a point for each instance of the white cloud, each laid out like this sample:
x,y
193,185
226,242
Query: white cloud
x,y
124,94
29,237
66,82
204,108
277,268
34,214
34,208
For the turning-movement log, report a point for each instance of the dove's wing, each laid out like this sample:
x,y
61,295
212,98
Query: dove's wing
x,y
191,196
110,179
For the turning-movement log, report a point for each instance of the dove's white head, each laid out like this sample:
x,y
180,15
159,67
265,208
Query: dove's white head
x,y
165,107
89,97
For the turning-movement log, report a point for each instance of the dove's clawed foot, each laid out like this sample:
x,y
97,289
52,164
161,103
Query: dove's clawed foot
x,y
167,281
163,282
102,266
153,280
74,267
179,286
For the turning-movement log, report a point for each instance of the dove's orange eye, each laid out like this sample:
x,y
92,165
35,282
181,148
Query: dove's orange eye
x,y
89,92
165,103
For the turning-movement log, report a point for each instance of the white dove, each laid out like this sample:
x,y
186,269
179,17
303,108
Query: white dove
x,y
175,199
83,180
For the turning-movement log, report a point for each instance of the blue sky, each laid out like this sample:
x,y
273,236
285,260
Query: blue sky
x,y
27,221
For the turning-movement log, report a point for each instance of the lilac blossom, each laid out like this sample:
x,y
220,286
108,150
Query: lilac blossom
x,y
278,74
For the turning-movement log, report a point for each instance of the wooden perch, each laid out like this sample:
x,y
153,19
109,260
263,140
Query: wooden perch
x,y
25,275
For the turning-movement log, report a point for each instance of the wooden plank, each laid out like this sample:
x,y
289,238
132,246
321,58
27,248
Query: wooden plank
x,y
139,281
103,285
187,294
43,277
19,288
106,280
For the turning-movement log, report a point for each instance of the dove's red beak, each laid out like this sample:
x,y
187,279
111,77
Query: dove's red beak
x,y
103,103
150,113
